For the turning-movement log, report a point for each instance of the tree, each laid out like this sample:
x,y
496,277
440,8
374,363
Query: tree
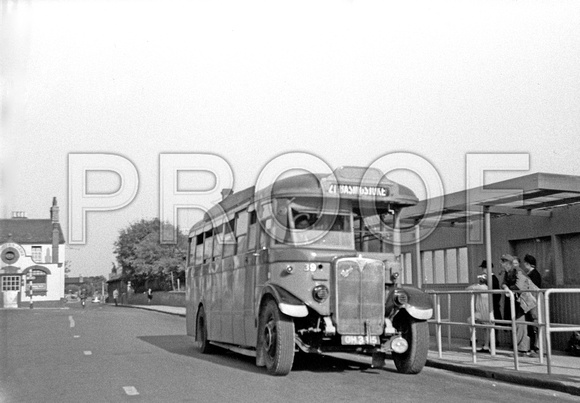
x,y
144,260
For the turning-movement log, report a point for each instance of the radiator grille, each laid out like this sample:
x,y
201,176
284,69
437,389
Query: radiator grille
x,y
359,296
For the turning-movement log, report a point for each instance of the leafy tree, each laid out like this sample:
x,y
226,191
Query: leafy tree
x,y
144,260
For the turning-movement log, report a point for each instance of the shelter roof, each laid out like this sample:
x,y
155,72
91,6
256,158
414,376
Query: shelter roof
x,y
535,194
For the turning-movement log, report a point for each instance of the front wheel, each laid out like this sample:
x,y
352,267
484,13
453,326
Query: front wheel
x,y
276,339
416,333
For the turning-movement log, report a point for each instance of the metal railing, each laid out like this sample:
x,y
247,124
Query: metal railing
x,y
556,328
543,323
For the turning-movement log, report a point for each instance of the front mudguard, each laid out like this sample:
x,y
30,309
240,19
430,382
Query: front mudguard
x,y
287,302
418,304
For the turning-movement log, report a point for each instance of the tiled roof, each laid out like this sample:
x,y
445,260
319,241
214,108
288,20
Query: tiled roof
x,y
28,231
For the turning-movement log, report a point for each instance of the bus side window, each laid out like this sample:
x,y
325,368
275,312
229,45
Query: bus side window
x,y
199,249
252,231
218,245
241,231
229,239
264,237
190,252
208,246
358,235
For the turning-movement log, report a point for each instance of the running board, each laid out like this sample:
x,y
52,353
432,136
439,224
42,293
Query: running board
x,y
236,349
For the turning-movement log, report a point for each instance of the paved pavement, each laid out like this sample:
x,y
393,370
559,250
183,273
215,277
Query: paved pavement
x,y
457,356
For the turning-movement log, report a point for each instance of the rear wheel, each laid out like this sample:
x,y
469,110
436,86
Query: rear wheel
x,y
276,339
203,344
416,333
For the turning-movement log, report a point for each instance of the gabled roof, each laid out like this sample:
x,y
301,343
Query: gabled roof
x,y
28,231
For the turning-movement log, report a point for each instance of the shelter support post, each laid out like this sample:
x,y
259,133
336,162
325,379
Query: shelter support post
x,y
487,217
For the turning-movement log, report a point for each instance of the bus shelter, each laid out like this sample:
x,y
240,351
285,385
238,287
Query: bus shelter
x,y
534,195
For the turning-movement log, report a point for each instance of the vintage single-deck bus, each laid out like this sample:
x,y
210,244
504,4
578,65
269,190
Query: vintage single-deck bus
x,y
304,264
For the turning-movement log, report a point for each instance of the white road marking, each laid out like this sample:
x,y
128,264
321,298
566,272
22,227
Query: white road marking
x,y
76,336
87,352
71,321
130,390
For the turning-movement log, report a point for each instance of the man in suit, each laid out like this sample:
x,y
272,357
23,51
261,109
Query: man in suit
x,y
532,314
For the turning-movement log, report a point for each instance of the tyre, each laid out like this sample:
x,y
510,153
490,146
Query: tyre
x,y
416,332
203,344
276,339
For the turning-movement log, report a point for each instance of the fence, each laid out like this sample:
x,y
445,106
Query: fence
x,y
544,324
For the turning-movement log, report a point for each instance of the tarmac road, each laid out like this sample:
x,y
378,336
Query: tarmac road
x,y
104,353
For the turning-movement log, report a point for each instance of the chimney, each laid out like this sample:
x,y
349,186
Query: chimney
x,y
54,211
226,192
55,230
19,214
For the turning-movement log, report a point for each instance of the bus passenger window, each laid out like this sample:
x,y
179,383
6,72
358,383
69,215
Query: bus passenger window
x,y
218,243
191,251
241,231
199,249
264,237
208,246
229,240
252,230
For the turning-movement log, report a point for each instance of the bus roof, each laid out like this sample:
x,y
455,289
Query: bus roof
x,y
352,183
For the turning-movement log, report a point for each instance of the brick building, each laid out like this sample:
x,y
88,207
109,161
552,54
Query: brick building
x,y
32,256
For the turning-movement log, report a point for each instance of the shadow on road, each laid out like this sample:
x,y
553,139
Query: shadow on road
x,y
185,346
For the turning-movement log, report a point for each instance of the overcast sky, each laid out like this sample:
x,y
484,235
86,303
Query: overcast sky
x,y
346,81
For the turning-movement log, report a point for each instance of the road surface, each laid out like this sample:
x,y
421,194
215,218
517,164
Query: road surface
x,y
111,354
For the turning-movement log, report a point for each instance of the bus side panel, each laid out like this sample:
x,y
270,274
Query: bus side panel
x,y
250,314
238,308
190,309
214,309
227,307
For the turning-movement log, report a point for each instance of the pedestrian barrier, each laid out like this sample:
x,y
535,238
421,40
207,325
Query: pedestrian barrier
x,y
543,324
554,328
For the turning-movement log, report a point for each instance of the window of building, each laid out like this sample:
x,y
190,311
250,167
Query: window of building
x,y
445,266
38,281
37,254
11,283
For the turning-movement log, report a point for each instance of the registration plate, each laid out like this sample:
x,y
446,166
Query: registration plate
x,y
359,340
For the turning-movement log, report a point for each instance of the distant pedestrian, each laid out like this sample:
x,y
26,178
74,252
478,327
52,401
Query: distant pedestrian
x,y
83,297
149,296
115,296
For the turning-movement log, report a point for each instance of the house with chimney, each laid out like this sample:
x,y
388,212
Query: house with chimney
x,y
32,256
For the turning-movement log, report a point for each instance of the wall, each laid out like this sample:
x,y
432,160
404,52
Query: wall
x,y
169,298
